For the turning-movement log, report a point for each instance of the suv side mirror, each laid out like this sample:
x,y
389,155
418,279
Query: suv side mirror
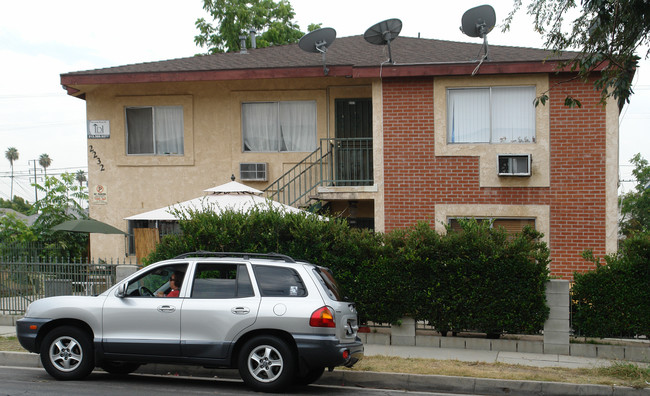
x,y
121,290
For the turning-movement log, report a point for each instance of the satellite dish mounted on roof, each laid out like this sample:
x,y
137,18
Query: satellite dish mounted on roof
x,y
383,33
478,22
318,41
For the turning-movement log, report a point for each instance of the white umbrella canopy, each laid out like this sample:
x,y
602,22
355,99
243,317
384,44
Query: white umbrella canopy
x,y
230,196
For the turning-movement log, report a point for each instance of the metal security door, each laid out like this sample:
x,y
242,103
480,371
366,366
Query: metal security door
x,y
352,148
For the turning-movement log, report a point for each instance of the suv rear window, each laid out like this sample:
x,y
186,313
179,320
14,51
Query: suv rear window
x,y
217,280
326,279
279,281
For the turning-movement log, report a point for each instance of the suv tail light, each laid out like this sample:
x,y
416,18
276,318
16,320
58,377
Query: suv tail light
x,y
322,317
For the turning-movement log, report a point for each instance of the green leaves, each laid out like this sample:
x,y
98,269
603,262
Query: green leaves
x,y
273,22
606,33
635,205
612,300
59,202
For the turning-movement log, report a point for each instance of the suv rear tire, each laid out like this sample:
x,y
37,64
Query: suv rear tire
x,y
267,364
67,353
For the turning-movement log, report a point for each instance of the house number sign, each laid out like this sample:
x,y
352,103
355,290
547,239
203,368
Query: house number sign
x,y
92,151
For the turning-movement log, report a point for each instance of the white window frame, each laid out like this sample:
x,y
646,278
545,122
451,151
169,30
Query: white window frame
x,y
491,118
155,125
277,130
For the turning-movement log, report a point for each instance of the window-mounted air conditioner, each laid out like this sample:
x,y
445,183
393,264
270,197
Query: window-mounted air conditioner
x,y
253,171
514,164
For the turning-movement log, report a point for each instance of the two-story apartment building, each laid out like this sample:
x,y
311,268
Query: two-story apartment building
x,y
429,136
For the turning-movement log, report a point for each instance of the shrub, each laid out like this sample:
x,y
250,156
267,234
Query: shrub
x,y
612,300
484,280
474,279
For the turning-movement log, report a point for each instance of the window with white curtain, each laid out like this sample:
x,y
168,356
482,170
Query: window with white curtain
x,y
491,115
154,130
279,126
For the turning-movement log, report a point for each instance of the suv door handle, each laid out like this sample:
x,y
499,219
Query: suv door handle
x,y
240,310
166,308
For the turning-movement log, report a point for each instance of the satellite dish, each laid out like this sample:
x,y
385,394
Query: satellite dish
x,y
318,41
383,33
478,22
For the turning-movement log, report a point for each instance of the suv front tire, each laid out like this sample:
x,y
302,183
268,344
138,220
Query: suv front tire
x,y
67,353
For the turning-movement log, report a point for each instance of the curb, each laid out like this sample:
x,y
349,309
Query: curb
x,y
376,380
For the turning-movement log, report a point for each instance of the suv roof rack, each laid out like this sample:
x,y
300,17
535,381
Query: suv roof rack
x,y
245,256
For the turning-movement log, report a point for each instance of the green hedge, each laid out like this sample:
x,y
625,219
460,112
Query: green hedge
x,y
477,278
613,300
473,279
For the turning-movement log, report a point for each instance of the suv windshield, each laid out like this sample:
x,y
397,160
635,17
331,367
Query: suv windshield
x,y
326,278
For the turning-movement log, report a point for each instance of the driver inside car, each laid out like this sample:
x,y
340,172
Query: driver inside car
x,y
175,282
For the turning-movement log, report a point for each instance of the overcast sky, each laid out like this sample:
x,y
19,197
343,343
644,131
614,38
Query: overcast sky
x,y
41,39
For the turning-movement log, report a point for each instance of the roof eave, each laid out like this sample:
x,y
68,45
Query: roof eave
x,y
69,81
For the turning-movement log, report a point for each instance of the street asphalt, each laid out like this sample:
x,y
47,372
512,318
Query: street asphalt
x,y
413,382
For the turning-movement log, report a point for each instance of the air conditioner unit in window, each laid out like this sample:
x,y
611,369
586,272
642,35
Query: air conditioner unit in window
x,y
514,164
253,171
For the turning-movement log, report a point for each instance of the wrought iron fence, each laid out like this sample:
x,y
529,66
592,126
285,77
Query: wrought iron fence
x,y
27,279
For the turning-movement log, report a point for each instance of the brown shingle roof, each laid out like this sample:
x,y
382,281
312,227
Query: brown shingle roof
x,y
351,51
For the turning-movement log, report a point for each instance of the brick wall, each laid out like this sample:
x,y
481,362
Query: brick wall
x,y
415,180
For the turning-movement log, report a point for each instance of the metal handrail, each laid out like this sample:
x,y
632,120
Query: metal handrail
x,y
336,162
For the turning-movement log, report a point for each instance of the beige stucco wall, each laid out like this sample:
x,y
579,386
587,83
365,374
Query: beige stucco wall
x,y
611,175
212,145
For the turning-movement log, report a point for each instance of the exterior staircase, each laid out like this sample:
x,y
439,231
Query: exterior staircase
x,y
336,162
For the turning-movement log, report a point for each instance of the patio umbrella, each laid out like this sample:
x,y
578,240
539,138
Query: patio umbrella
x,y
88,226
230,196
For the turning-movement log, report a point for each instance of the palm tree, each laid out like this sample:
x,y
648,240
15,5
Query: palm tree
x,y
12,155
81,178
45,161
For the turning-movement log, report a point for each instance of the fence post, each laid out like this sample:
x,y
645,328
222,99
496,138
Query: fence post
x,y
557,327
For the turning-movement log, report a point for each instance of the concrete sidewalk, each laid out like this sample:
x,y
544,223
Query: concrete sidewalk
x,y
413,382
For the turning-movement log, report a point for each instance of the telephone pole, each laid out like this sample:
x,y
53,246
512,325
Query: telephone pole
x,y
35,178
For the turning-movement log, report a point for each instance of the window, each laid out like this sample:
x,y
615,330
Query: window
x,y
511,225
156,282
491,115
326,278
279,282
221,281
156,130
279,126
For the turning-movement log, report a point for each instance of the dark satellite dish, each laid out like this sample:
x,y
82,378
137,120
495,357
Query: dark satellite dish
x,y
383,33
478,22
318,41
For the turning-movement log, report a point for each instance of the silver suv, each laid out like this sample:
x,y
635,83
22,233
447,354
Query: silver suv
x,y
280,322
